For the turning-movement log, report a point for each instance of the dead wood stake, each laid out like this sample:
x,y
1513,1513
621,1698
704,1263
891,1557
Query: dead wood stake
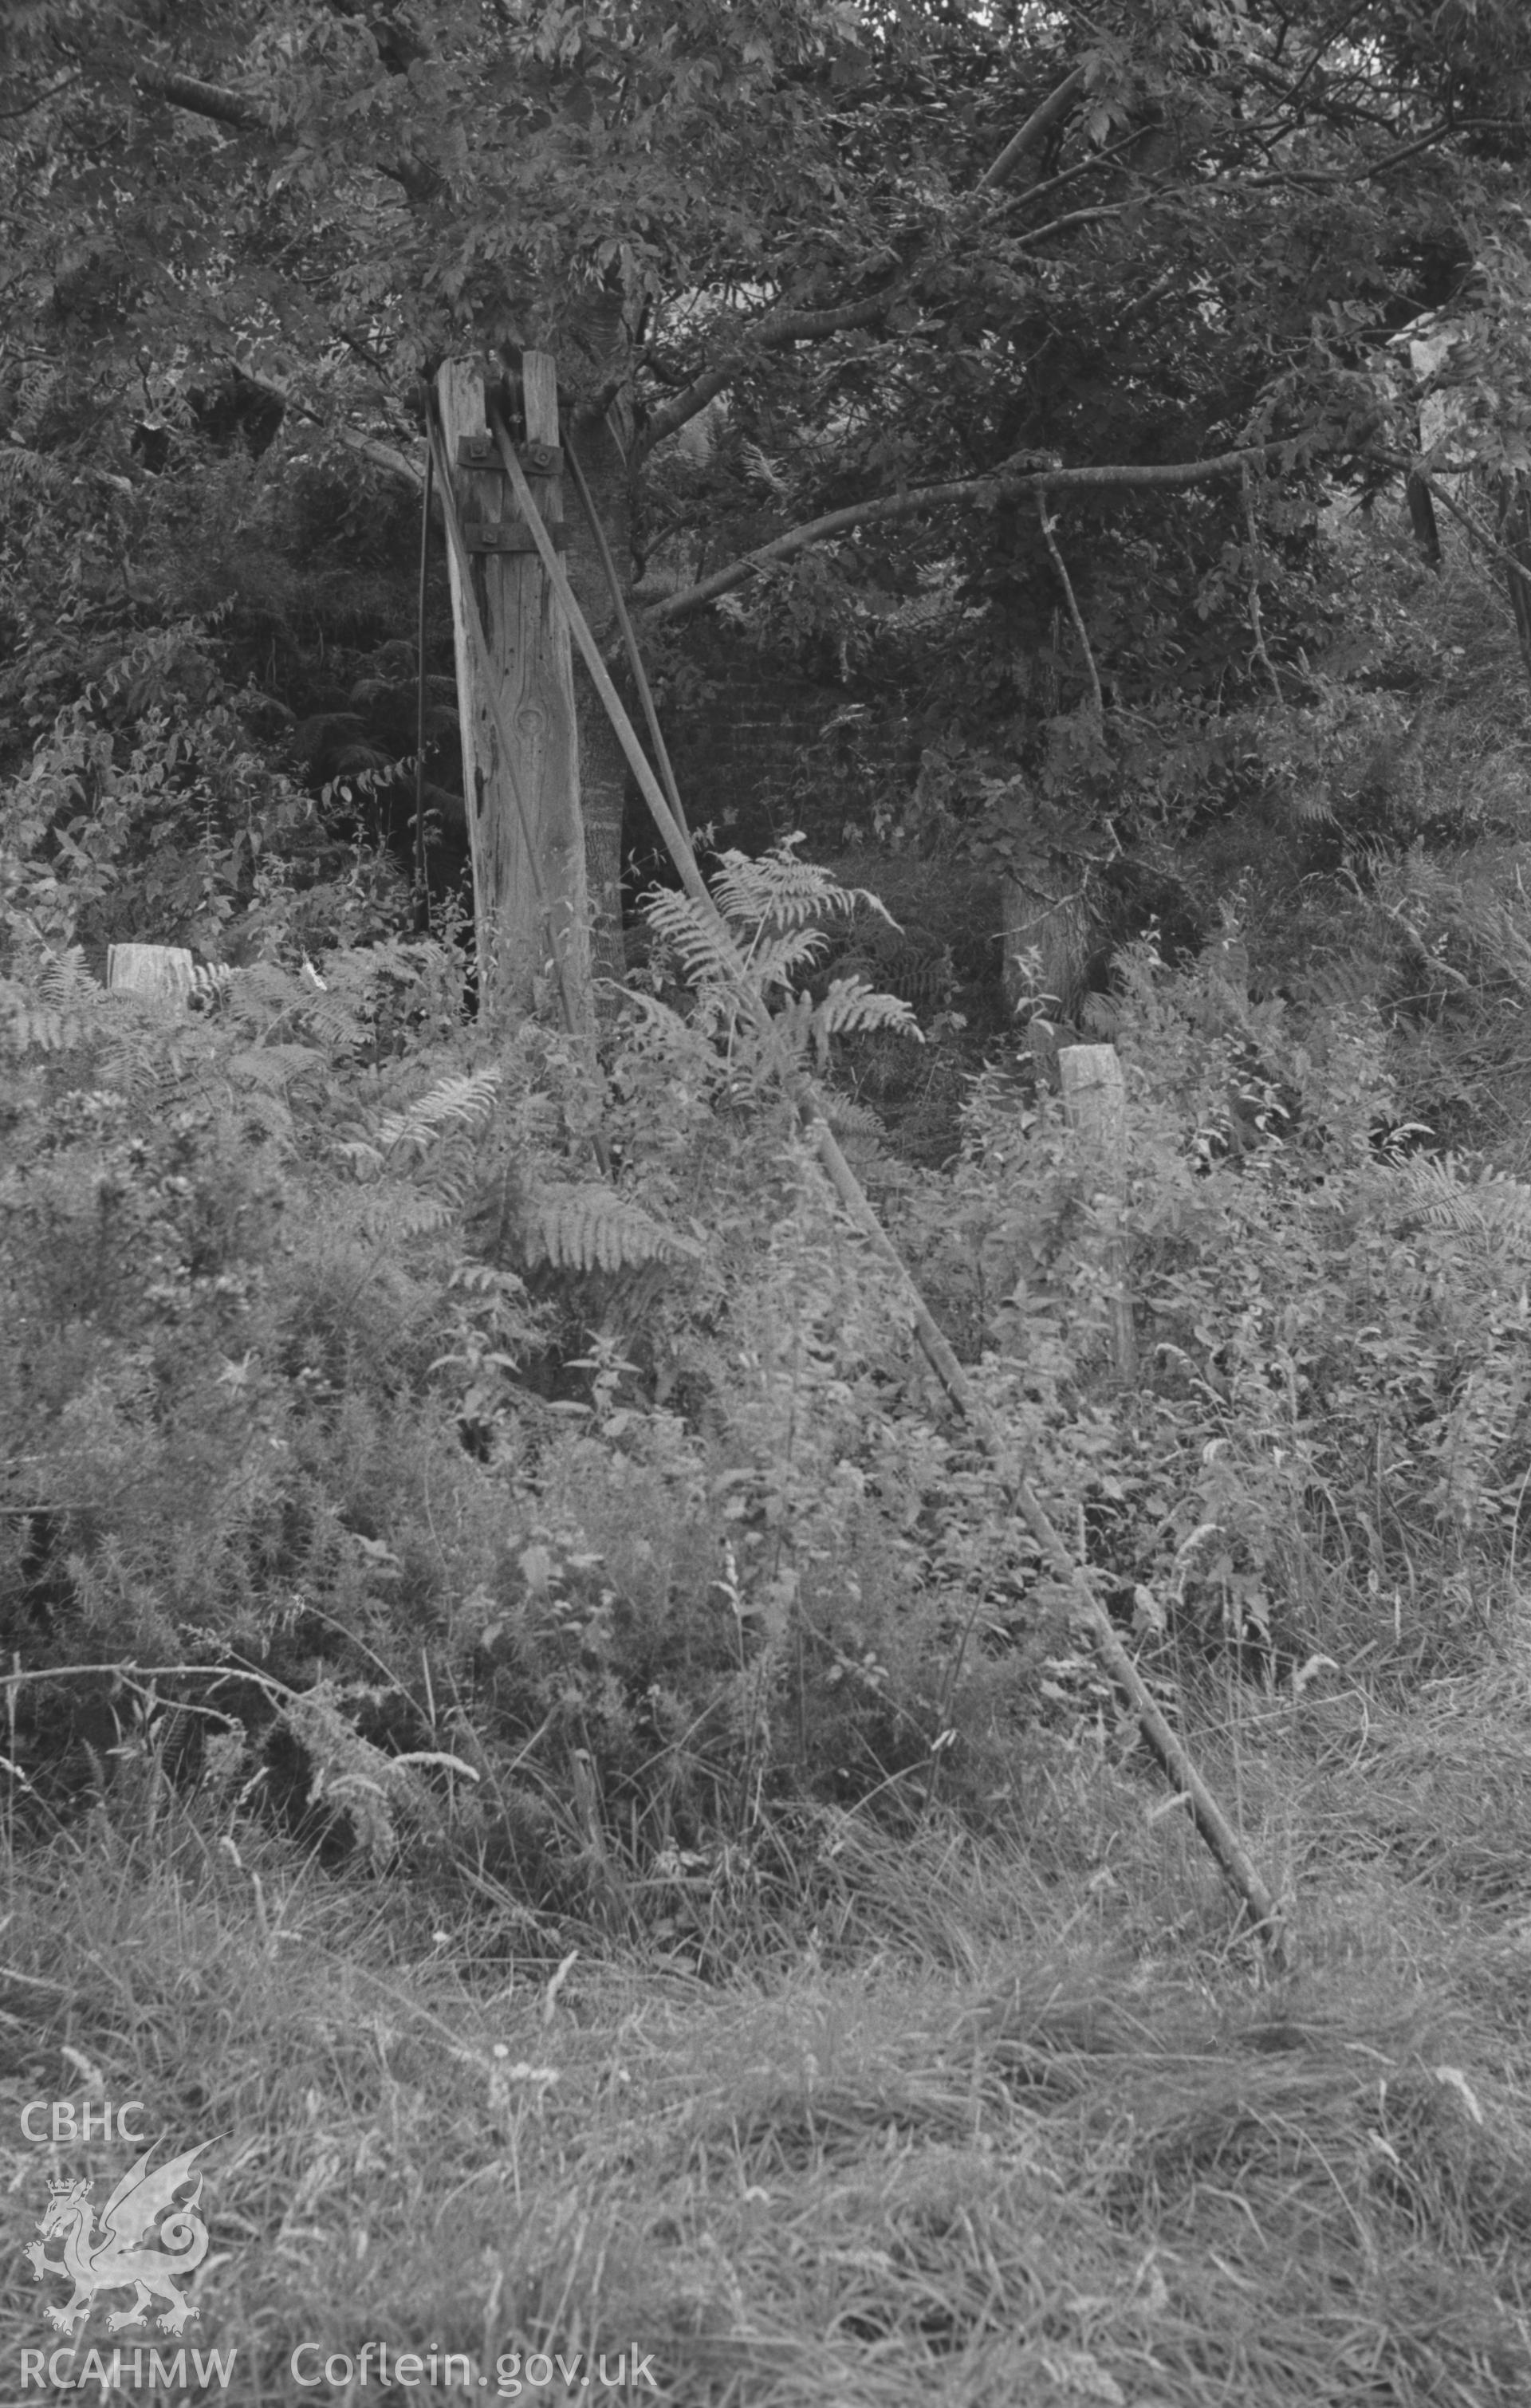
x,y
1208,1815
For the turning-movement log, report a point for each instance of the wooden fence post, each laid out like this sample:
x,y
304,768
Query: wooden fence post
x,y
149,970
528,641
1096,1099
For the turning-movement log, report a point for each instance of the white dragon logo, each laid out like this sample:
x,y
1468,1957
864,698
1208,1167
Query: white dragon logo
x,y
117,2260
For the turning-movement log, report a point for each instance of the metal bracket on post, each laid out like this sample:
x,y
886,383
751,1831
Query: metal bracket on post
x,y
538,459
503,534
479,453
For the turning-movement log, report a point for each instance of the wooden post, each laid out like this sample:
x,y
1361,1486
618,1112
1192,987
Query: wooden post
x,y
149,970
1096,1099
528,641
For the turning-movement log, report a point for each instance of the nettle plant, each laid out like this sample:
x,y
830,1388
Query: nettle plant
x,y
549,1386
540,1408
1327,1450
145,812
735,1522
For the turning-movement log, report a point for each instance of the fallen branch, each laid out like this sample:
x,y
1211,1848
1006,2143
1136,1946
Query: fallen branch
x,y
1049,537
1480,534
1257,624
1206,1812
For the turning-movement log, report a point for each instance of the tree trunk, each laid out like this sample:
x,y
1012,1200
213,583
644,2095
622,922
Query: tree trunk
x,y
603,768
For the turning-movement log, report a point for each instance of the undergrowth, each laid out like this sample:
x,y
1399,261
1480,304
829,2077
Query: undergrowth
x,y
529,1715
1010,2126
586,1526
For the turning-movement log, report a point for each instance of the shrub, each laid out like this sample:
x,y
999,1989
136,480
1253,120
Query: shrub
x,y
596,1525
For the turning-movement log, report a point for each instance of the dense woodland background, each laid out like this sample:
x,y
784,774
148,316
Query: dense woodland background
x,y
1073,480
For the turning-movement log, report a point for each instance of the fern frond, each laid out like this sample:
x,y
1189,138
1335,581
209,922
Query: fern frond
x,y
273,1068
270,1115
265,994
462,1102
212,983
774,908
588,1228
265,987
1492,1205
777,961
27,471
702,953
1347,984
777,890
1101,1016
362,1155
851,1004
484,1279
28,1028
1311,803
762,470
395,1210
62,978
847,1118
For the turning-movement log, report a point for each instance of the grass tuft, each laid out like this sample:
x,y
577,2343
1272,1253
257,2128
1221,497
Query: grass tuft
x,y
1007,2130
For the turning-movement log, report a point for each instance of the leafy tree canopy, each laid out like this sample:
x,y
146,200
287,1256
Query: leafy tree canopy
x,y
891,272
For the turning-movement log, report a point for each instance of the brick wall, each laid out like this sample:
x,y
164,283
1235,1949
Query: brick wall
x,y
759,748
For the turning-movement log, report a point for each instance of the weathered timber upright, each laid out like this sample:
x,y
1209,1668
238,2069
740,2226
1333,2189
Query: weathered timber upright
x,y
517,933
149,970
1094,1097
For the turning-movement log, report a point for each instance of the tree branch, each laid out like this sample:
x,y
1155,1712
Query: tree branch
x,y
1101,210
204,99
382,456
211,100
1319,179
1109,156
52,93
1004,483
1040,123
771,334
812,325
367,447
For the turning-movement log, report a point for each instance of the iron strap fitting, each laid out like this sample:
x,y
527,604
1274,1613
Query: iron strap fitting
x,y
508,535
538,459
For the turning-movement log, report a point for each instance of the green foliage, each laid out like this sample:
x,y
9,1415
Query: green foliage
x,y
372,1276
1165,272
1334,1426
630,1496
541,1412
145,811
588,1228
775,908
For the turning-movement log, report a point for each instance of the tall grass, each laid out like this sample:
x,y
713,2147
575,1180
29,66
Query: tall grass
x,y
1014,2121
